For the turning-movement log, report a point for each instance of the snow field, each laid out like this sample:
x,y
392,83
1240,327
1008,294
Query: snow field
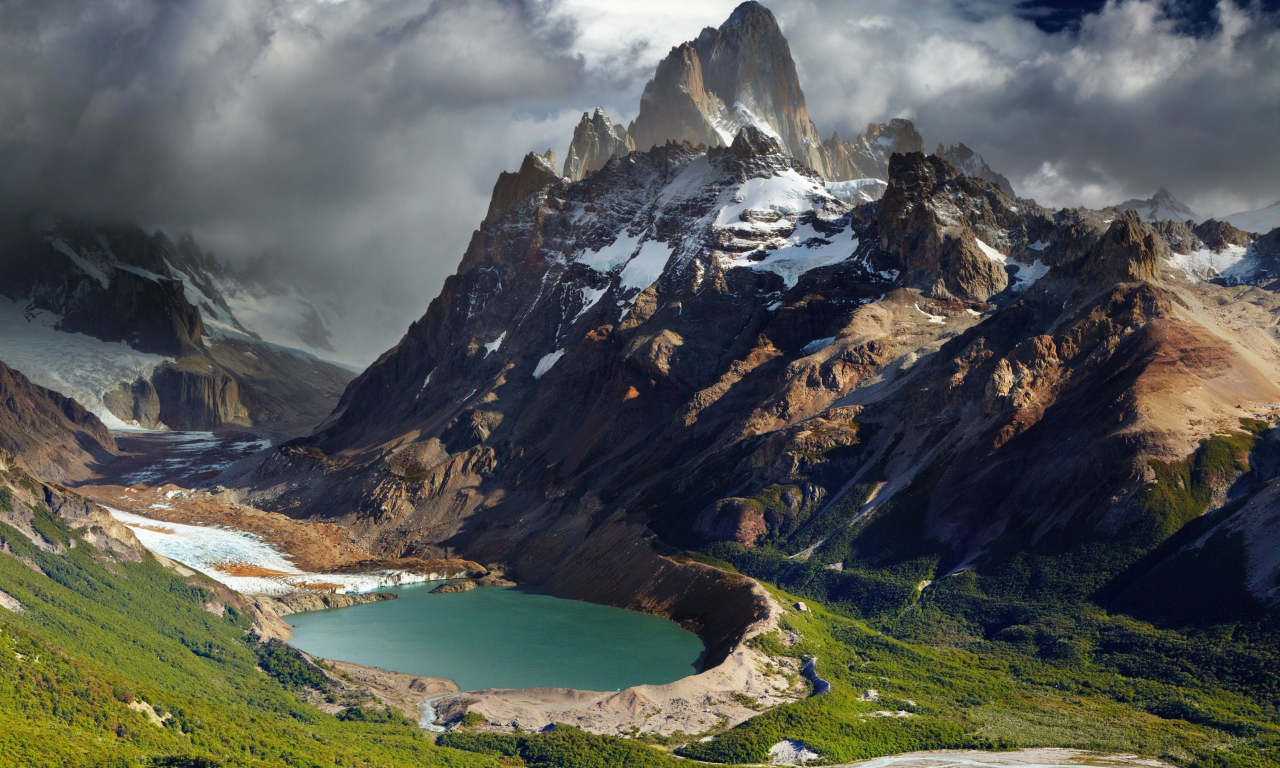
x,y
204,548
78,366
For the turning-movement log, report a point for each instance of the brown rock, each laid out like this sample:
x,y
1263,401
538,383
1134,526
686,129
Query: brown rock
x,y
466,585
732,519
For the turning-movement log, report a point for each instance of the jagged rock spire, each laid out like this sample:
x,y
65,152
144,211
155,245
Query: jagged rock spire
x,y
740,74
970,163
595,140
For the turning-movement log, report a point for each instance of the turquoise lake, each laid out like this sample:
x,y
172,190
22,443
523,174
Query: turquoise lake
x,y
495,637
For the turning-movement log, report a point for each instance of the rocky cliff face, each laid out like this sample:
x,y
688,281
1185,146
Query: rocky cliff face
x,y
48,433
970,163
142,293
595,140
739,75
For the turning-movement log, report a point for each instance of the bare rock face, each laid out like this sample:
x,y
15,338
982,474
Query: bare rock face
x,y
49,433
949,250
595,140
740,74
1129,252
736,520
970,163
867,157
536,172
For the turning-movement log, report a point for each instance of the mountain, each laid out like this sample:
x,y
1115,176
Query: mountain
x,y
703,342
970,163
144,331
1009,465
47,432
1261,221
595,140
742,74
1160,206
738,75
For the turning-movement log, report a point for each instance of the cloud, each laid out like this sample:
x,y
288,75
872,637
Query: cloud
x,y
349,139
1114,106
357,141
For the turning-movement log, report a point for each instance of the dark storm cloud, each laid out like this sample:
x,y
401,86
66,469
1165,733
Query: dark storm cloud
x,y
350,137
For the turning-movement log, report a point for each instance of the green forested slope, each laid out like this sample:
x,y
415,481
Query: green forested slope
x,y
96,634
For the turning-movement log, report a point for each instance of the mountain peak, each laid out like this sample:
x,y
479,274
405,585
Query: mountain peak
x,y
1160,206
750,11
970,163
595,140
740,74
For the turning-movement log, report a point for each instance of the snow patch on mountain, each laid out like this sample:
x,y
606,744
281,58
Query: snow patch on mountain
x,y
78,366
1024,274
1028,274
213,551
858,191
1260,221
84,265
590,297
1232,264
804,250
546,362
495,345
788,192
646,266
608,258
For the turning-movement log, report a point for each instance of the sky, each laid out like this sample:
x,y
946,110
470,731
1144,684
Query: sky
x,y
354,144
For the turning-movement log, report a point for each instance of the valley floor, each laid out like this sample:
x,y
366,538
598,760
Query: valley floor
x,y
887,696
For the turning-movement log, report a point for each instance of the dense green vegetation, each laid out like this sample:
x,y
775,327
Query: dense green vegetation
x,y
563,747
96,636
1023,652
1038,647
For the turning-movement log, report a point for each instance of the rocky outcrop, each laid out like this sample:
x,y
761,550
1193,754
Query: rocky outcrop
x,y
48,433
24,496
537,171
302,602
453,587
970,163
867,157
595,140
